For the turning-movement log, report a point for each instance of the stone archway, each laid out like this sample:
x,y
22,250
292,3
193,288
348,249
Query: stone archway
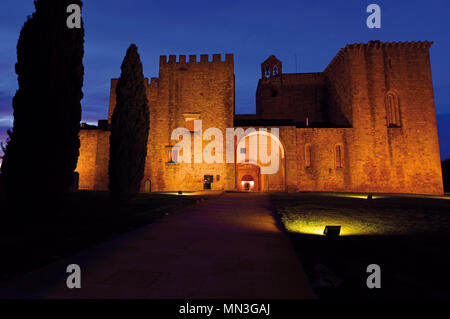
x,y
248,183
271,175
249,178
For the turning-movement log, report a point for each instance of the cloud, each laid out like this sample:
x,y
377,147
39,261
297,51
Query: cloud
x,y
5,106
6,121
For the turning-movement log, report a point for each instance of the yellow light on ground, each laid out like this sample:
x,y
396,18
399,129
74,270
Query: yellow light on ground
x,y
361,220
379,196
429,196
359,196
174,193
353,228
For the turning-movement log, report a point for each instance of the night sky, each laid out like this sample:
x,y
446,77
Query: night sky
x,y
304,35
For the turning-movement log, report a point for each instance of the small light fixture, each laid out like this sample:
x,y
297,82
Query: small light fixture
x,y
369,196
180,193
332,231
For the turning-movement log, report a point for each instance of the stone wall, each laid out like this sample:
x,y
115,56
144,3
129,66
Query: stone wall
x,y
87,160
292,96
323,173
346,105
195,89
93,160
402,159
338,94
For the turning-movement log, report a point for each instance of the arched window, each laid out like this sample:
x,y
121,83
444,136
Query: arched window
x,y
147,186
275,70
308,155
392,110
338,156
267,72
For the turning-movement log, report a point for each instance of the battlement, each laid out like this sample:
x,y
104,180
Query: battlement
x,y
377,45
204,58
154,82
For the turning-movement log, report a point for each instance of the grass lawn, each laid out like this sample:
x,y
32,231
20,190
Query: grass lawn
x,y
409,237
87,219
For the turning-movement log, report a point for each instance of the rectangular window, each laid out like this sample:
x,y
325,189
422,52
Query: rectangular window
x,y
189,119
243,150
190,124
338,156
173,154
308,155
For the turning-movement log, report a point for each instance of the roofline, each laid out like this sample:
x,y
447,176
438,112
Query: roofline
x,y
377,44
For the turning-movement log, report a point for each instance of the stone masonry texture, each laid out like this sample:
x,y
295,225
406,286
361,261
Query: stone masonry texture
x,y
335,128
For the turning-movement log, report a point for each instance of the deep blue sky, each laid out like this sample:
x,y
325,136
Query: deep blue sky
x,y
314,31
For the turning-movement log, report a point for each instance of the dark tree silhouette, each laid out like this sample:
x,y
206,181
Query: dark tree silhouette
x,y
129,129
446,174
42,153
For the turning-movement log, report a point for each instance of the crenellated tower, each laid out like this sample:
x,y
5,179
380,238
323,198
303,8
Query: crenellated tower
x,y
189,90
385,91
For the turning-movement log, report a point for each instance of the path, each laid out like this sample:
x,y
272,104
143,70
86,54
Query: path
x,y
228,247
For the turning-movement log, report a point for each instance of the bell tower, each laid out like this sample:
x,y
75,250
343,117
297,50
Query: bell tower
x,y
272,67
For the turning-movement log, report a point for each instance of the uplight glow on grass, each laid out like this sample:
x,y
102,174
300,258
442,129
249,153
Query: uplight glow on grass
x,y
316,227
379,196
174,193
351,195
356,222
353,222
385,214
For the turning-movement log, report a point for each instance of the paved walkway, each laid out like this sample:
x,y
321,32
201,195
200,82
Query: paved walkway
x,y
228,247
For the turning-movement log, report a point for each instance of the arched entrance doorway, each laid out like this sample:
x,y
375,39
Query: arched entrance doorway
x,y
249,177
247,183
261,155
147,186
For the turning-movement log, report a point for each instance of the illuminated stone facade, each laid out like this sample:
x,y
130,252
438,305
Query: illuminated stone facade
x,y
365,124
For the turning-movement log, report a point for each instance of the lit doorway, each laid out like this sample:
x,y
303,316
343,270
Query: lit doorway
x,y
207,181
249,178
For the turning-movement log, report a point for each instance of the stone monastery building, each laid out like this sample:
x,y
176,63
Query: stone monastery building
x,y
367,123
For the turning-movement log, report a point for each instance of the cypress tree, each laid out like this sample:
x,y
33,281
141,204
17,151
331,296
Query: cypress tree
x,y
129,129
445,164
43,150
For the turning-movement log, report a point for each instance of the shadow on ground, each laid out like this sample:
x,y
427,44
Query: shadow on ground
x,y
411,266
406,236
29,240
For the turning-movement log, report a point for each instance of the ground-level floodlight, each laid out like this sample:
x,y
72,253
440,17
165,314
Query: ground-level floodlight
x,y
332,231
180,193
369,196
